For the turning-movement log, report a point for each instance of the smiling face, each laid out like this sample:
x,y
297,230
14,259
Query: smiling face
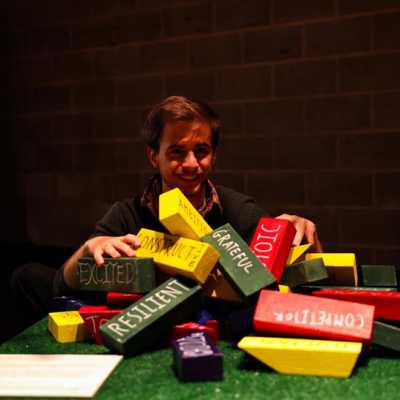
x,y
185,158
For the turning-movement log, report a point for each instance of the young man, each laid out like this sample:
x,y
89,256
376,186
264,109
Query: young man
x,y
182,138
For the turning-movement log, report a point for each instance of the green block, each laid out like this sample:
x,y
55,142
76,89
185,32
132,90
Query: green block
x,y
124,274
237,262
378,275
386,335
148,322
304,272
311,288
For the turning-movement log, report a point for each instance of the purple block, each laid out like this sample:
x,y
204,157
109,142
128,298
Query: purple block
x,y
197,358
74,304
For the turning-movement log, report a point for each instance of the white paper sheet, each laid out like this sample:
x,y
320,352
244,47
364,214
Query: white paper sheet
x,y
54,375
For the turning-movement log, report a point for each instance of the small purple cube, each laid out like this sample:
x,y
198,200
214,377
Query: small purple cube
x,y
197,358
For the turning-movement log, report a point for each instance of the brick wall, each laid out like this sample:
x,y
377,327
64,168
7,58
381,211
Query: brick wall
x,y
309,92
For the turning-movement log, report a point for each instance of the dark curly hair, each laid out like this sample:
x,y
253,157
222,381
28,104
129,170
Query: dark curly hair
x,y
178,108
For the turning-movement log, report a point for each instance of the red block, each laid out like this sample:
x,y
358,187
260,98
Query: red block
x,y
182,330
306,316
122,298
95,316
271,243
387,304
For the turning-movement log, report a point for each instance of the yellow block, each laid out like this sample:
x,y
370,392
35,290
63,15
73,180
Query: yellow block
x,y
217,286
178,255
304,356
296,252
179,216
342,267
284,289
66,326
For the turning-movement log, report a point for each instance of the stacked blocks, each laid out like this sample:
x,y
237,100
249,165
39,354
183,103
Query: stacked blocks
x,y
123,274
271,243
304,272
342,268
144,323
304,356
177,255
66,326
239,265
178,215
196,358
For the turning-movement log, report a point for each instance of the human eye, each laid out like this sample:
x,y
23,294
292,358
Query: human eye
x,y
202,151
176,152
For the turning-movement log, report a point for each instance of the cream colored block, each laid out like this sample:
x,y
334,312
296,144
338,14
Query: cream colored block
x,y
179,216
178,255
66,326
304,356
342,267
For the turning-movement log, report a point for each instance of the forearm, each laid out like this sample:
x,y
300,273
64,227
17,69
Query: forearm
x,y
70,267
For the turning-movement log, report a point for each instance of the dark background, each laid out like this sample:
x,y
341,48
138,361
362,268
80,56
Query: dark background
x,y
309,93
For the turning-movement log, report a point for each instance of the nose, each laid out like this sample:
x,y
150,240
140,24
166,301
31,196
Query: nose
x,y
190,160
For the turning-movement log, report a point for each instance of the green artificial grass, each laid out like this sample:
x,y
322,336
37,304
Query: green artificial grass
x,y
150,376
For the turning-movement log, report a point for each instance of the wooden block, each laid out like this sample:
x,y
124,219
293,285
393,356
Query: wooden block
x,y
238,264
118,298
143,325
302,315
378,275
182,330
203,316
179,216
304,272
387,304
304,356
197,358
74,304
66,326
123,274
311,288
297,253
271,243
342,268
284,289
95,316
217,286
176,255
386,335
59,303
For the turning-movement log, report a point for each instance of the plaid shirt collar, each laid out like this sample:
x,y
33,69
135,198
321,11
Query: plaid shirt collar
x,y
154,189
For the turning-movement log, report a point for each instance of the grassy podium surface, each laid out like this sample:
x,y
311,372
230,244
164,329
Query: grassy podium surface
x,y
150,376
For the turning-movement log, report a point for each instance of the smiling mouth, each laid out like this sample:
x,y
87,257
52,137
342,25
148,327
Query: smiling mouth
x,y
189,178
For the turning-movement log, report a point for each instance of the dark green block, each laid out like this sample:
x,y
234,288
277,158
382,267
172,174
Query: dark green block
x,y
147,323
378,275
124,274
386,335
237,262
311,288
304,272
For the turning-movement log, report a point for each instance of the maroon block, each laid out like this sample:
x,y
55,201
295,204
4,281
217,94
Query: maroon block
x,y
95,316
387,304
271,243
306,316
182,330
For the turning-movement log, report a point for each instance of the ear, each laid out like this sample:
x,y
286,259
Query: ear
x,y
214,159
152,155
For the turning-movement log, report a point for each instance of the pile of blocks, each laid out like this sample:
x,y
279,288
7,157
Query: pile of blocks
x,y
295,311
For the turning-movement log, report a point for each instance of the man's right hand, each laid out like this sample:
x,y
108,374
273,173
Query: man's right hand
x,y
114,246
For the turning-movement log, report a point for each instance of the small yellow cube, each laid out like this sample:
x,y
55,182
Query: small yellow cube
x,y
66,326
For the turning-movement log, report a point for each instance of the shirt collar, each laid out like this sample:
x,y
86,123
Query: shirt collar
x,y
153,190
